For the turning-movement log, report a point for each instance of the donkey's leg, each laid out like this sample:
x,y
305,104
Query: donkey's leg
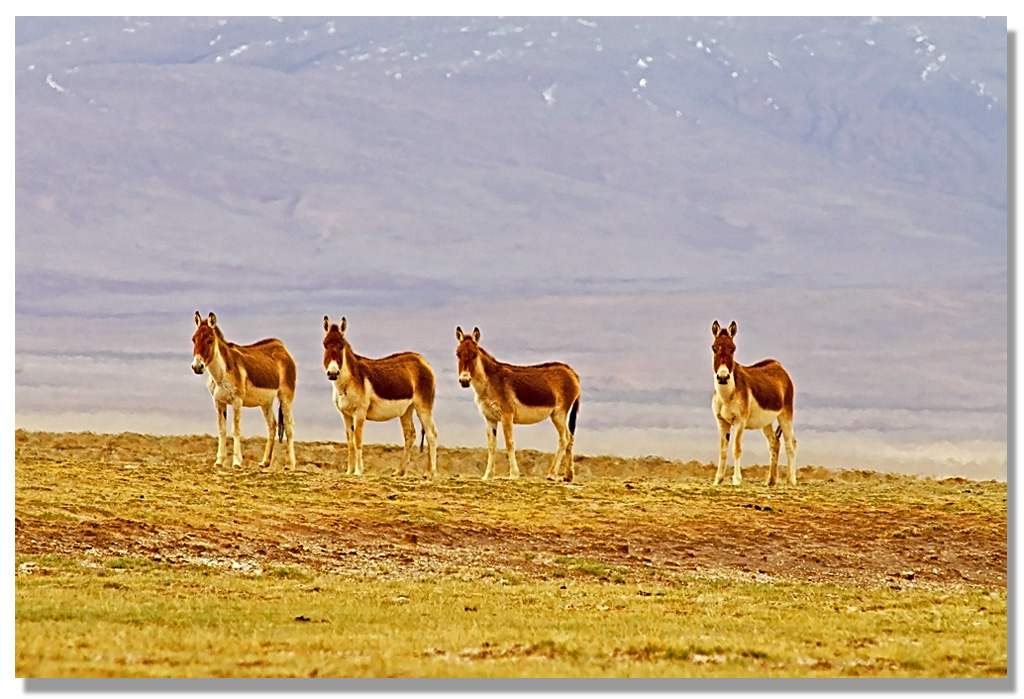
x,y
773,451
558,418
737,451
268,415
786,423
427,423
350,442
510,446
358,422
570,471
222,432
289,427
723,448
408,439
492,439
236,414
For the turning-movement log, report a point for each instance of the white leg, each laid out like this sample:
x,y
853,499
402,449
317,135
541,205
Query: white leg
x,y
773,452
350,442
427,422
236,414
570,469
289,429
357,432
492,439
787,435
563,443
513,467
737,451
222,432
723,449
268,452
408,440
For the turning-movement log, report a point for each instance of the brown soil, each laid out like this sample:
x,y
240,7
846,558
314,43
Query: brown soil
x,y
947,533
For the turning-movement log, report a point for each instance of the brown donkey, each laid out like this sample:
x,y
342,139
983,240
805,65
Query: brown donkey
x,y
246,376
379,390
521,395
750,397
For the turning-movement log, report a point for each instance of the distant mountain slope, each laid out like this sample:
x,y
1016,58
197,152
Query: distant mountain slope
x,y
588,189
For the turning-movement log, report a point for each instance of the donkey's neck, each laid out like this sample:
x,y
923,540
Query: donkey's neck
x,y
348,370
218,366
482,379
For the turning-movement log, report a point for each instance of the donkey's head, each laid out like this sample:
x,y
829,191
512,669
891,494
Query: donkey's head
x,y
204,342
468,351
723,348
334,347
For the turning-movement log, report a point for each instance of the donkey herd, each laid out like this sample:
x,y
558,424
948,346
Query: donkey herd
x,y
400,384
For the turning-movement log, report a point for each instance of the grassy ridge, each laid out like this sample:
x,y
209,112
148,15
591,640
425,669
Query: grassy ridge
x,y
136,557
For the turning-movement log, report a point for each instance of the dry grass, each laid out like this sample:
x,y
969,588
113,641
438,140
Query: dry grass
x,y
136,557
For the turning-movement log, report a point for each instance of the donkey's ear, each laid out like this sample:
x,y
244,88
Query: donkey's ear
x,y
732,329
343,324
199,319
716,328
476,334
327,323
458,333
212,319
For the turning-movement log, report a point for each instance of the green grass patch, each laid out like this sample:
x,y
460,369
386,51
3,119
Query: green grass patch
x,y
162,621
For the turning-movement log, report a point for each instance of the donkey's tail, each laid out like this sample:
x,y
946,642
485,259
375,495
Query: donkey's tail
x,y
572,416
423,436
280,422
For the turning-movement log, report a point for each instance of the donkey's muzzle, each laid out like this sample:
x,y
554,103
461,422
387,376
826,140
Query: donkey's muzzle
x,y
723,380
198,367
464,383
332,375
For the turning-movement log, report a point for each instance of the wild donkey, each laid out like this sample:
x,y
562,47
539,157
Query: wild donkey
x,y
750,397
379,390
522,395
246,376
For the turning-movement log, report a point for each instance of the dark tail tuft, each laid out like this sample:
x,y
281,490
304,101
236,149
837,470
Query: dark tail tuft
x,y
423,436
572,417
778,432
280,423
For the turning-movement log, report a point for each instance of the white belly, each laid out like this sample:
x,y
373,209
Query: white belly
x,y
522,414
259,396
729,410
756,418
383,410
759,417
528,415
377,410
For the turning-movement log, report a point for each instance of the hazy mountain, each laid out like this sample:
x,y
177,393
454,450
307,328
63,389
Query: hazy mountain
x,y
594,189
